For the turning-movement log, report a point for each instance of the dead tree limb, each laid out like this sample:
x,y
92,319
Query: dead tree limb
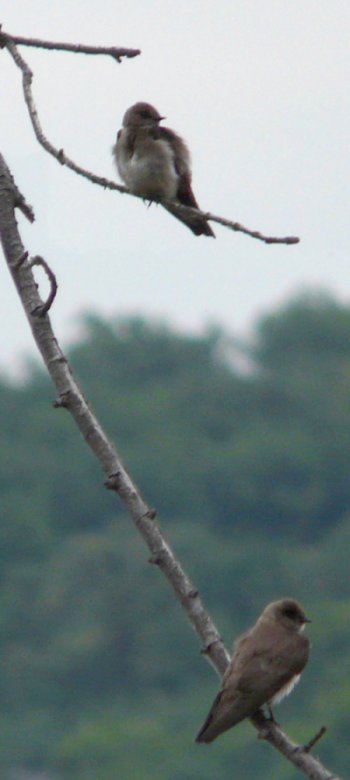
x,y
116,52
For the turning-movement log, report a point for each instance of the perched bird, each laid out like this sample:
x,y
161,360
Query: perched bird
x,y
154,162
266,664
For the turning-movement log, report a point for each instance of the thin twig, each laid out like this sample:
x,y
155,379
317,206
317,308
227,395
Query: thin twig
x,y
117,52
177,208
118,479
25,208
59,154
316,738
41,310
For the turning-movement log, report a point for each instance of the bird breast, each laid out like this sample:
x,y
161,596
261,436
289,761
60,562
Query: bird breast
x,y
150,170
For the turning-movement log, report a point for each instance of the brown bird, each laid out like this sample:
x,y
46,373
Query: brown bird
x,y
155,162
266,664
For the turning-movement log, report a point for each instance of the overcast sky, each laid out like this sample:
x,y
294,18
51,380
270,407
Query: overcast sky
x,y
260,91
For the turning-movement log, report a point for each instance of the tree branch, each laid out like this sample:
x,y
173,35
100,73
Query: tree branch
x,y
116,52
172,206
118,479
177,208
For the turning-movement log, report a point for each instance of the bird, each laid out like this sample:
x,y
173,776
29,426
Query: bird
x,y
154,162
266,664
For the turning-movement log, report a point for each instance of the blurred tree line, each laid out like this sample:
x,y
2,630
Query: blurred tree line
x,y
244,450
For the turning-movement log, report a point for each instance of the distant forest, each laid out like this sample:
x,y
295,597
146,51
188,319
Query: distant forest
x,y
244,450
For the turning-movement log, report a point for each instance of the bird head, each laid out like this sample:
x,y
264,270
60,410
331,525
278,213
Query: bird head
x,y
142,115
286,612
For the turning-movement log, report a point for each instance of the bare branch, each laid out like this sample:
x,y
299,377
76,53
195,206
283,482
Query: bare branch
x,y
177,208
71,397
171,206
119,480
116,52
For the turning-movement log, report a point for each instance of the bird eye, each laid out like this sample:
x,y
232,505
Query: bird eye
x,y
145,114
290,612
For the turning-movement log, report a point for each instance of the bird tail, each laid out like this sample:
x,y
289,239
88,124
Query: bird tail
x,y
210,729
203,737
221,717
200,227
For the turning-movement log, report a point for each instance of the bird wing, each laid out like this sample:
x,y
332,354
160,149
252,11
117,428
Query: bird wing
x,y
182,157
261,665
265,665
182,165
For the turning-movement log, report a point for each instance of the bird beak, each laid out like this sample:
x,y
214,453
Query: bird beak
x,y
161,118
307,620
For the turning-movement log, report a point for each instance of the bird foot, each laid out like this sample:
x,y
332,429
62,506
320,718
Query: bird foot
x,y
263,722
271,717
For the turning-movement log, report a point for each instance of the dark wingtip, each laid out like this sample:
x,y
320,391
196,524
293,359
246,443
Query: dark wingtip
x,y
208,231
202,735
202,739
203,229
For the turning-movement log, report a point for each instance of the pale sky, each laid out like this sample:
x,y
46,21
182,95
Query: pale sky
x,y
260,91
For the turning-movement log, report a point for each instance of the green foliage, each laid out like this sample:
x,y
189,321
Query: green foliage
x,y
100,674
